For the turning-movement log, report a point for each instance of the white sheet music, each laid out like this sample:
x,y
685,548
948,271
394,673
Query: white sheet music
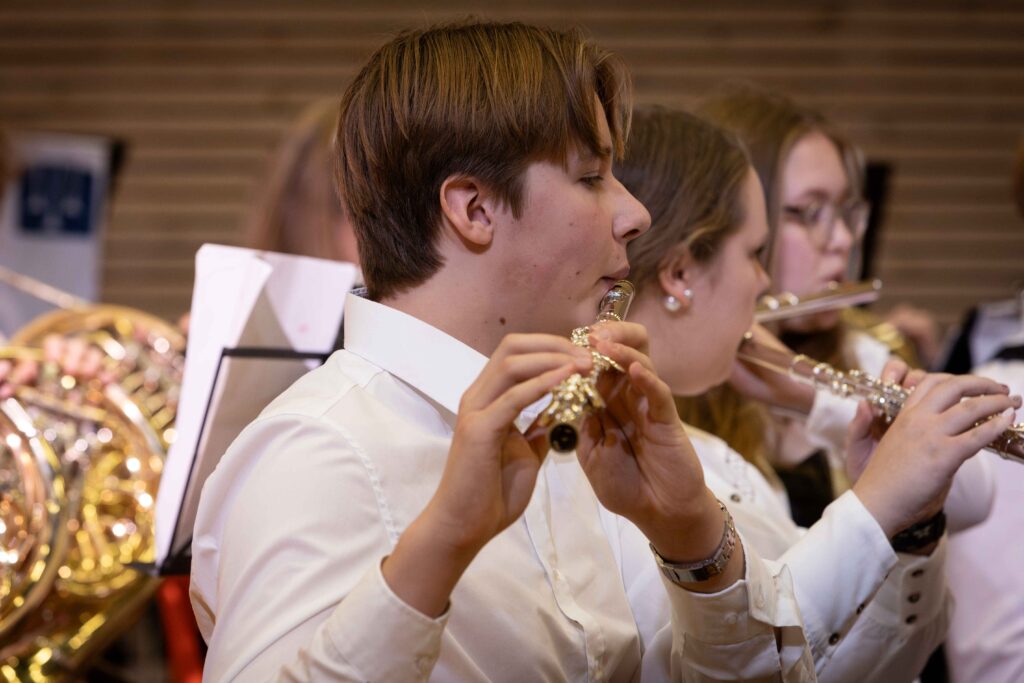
x,y
241,298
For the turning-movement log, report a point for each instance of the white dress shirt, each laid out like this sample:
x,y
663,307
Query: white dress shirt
x,y
870,614
970,499
295,521
986,637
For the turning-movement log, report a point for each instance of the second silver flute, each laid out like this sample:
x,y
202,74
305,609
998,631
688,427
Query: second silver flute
x,y
577,396
888,398
836,295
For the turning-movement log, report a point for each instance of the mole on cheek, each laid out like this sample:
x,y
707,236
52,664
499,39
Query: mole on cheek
x,y
501,320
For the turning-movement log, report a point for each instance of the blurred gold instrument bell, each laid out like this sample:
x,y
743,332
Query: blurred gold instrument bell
x,y
108,441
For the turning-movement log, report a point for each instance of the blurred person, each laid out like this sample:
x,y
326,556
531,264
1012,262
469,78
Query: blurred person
x,y
986,640
298,208
811,177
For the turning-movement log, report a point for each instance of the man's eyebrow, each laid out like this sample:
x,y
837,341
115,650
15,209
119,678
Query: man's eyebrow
x,y
603,153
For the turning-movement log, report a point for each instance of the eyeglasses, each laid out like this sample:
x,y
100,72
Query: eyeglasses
x,y
820,218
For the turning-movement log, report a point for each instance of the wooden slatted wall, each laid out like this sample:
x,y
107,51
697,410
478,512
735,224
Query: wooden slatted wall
x,y
202,90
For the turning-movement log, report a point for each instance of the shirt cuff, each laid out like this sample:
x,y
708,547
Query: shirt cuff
x,y
384,638
914,594
732,633
847,549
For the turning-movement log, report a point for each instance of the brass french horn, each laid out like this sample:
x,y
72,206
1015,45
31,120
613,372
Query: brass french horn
x,y
99,453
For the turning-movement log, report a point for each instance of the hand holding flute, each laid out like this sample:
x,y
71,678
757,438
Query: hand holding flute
x,y
944,420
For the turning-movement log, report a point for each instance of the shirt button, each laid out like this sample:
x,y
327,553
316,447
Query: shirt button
x,y
833,639
735,498
912,618
423,663
913,598
917,573
760,600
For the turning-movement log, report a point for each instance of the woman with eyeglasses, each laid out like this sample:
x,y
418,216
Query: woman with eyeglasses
x,y
869,612
817,217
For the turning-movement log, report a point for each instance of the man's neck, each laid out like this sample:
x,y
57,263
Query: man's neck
x,y
457,307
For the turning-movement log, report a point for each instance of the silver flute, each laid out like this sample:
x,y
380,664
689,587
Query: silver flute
x,y
577,396
886,397
836,295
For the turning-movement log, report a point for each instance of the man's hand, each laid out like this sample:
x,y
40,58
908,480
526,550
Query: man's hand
x,y
640,462
490,472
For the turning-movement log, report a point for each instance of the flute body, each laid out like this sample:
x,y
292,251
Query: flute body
x,y
886,397
836,295
577,396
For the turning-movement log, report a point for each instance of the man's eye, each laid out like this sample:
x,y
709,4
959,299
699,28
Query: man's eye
x,y
592,180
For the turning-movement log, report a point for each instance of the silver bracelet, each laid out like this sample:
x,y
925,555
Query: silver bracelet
x,y
694,572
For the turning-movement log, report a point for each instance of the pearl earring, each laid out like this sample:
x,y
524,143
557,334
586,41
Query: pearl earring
x,y
688,294
672,304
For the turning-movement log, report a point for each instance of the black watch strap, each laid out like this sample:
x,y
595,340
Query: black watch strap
x,y
920,535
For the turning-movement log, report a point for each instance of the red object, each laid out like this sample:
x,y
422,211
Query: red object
x,y
181,635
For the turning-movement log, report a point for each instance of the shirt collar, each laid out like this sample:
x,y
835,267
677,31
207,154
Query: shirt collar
x,y
431,361
420,355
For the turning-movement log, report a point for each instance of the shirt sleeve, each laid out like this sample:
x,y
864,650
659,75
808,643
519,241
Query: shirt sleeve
x,y
901,625
894,607
289,604
750,631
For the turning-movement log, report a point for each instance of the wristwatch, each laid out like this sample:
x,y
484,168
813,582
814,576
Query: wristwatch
x,y
694,572
920,535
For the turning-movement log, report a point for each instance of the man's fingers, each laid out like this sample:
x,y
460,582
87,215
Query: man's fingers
x,y
981,436
498,415
860,426
895,371
965,414
660,406
624,354
519,344
627,334
914,378
501,374
948,392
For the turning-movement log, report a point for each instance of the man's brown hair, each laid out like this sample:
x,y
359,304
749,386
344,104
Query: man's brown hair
x,y
481,100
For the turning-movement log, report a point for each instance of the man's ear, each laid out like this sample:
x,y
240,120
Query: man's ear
x,y
676,277
469,208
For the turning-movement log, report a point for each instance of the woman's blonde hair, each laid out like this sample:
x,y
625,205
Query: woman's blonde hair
x,y
769,124
689,174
